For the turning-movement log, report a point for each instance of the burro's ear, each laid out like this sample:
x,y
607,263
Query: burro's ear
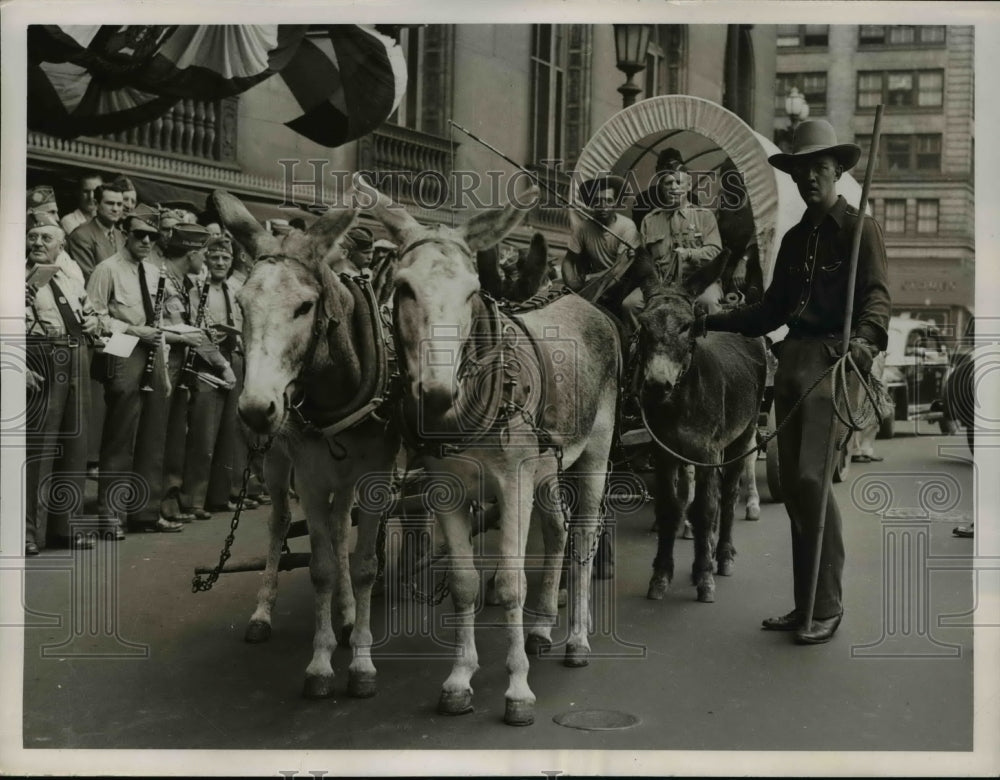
x,y
699,281
363,196
327,230
487,228
245,229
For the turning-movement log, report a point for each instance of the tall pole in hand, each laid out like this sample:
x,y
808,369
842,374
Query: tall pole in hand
x,y
848,316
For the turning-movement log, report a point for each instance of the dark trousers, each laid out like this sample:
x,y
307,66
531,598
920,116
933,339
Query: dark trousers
x,y
203,428
134,439
177,434
802,449
56,443
229,457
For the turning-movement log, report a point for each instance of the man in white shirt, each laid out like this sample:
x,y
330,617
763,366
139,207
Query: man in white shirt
x,y
58,321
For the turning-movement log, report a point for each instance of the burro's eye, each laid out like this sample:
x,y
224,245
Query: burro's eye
x,y
304,308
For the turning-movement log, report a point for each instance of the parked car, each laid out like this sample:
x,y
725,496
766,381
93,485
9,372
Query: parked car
x,y
916,362
958,398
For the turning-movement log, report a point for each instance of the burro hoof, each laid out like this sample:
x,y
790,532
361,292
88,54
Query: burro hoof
x,y
726,567
344,635
753,513
361,685
318,686
658,588
563,598
519,713
577,656
706,592
536,644
257,631
455,702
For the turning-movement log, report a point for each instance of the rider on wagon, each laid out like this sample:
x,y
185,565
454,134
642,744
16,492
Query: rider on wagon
x,y
604,261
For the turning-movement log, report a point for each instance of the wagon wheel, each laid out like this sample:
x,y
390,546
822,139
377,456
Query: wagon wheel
x,y
773,466
843,465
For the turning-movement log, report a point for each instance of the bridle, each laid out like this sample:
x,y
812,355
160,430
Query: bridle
x,y
638,356
488,356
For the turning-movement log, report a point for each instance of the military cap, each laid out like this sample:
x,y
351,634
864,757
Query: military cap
x,y
361,238
185,236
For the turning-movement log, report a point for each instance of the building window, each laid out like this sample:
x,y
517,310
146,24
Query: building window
x,y
803,34
548,100
656,63
812,86
904,153
895,216
901,35
427,103
900,88
927,216
930,87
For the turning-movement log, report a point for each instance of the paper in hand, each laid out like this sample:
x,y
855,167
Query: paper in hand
x,y
120,345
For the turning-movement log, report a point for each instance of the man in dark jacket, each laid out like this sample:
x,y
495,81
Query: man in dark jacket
x,y
808,293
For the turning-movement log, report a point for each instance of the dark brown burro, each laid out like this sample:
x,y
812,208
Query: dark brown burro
x,y
700,399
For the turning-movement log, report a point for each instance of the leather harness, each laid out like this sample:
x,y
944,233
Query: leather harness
x,y
491,357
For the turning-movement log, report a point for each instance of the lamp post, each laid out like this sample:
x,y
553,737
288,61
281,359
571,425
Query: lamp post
x,y
797,109
631,43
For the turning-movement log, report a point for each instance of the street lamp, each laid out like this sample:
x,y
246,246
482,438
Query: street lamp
x,y
631,43
797,109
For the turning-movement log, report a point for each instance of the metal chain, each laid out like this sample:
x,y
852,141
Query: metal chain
x,y
201,584
432,599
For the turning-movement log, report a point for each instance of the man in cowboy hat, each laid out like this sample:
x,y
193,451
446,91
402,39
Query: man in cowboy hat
x,y
808,293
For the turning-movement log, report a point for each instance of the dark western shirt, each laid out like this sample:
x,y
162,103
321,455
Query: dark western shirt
x,y
809,289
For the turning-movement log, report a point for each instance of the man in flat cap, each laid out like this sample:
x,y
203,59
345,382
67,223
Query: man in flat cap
x,y
59,320
99,238
215,451
125,293
808,294
183,252
358,246
41,202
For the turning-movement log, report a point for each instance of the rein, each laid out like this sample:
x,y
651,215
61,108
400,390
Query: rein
x,y
843,407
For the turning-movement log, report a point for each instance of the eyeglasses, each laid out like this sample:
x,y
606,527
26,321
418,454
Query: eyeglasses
x,y
47,238
140,235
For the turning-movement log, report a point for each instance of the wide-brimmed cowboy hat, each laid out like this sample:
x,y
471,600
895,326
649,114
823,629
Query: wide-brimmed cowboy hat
x,y
814,137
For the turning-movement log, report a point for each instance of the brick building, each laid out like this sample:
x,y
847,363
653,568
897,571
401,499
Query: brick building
x,y
922,192
535,91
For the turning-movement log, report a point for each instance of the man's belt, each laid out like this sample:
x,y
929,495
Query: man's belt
x,y
54,341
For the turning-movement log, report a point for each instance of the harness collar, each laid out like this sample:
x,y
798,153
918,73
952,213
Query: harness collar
x,y
322,326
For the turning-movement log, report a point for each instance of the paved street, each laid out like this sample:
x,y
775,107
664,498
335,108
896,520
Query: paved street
x,y
175,672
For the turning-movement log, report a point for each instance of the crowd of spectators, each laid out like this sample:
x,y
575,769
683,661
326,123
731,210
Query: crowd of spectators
x,y
134,366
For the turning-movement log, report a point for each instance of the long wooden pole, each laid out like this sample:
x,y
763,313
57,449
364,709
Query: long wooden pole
x,y
848,316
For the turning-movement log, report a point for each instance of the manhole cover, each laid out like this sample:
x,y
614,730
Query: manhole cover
x,y
597,720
